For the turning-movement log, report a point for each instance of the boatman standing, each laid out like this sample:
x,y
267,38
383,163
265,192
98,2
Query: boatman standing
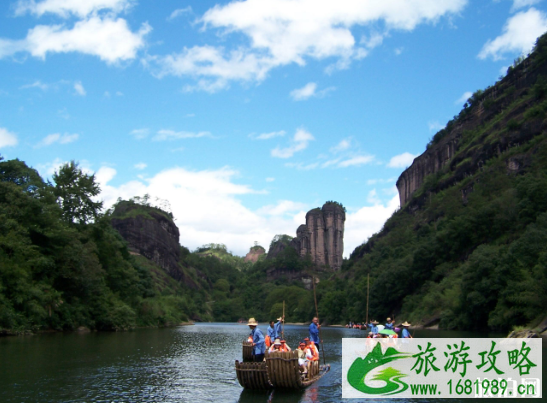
x,y
406,334
389,324
314,330
259,347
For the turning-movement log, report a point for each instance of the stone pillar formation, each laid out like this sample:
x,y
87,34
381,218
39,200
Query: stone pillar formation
x,y
322,237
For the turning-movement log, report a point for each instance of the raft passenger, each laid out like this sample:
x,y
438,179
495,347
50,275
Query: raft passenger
x,y
259,347
285,346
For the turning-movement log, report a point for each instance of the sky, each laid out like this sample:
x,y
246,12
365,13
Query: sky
x,y
240,116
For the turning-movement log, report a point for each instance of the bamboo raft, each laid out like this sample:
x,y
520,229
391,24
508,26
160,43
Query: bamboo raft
x,y
279,370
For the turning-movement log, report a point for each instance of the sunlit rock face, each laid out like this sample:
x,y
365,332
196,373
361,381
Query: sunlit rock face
x,y
322,237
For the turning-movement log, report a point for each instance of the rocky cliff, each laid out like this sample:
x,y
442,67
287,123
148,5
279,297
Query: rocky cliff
x,y
254,254
456,151
149,232
322,237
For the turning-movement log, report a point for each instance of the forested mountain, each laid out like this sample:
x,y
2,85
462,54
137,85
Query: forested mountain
x,y
469,245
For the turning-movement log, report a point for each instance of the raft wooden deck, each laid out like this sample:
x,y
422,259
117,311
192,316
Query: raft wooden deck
x,y
279,370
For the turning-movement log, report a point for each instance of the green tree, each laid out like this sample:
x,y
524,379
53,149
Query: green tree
x,y
75,191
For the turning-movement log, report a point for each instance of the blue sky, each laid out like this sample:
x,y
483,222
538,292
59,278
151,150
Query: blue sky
x,y
244,115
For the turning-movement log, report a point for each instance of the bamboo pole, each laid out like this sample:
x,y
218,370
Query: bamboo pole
x,y
368,283
283,323
317,314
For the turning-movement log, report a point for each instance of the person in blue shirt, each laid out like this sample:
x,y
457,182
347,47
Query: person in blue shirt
x,y
314,330
406,333
273,331
373,327
389,324
259,347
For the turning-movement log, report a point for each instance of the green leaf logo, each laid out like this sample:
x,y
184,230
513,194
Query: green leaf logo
x,y
392,377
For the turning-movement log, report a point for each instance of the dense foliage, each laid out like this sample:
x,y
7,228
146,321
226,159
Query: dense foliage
x,y
62,265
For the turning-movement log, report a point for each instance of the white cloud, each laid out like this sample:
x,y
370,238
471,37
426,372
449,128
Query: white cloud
x,y
63,113
270,179
119,94
104,175
302,167
7,138
140,166
267,136
282,32
367,221
299,142
398,51
65,8
79,88
519,35
435,126
341,146
163,135
37,84
304,93
308,91
108,38
401,161
58,138
356,161
281,208
212,210
465,96
517,4
178,12
106,94
140,133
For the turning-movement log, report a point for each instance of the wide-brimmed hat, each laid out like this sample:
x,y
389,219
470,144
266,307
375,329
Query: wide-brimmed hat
x,y
388,319
277,342
252,322
375,322
405,324
281,317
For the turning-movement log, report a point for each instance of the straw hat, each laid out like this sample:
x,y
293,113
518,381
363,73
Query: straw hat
x,y
405,324
252,322
375,322
388,319
278,319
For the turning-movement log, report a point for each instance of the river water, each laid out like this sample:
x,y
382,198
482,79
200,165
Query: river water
x,y
184,364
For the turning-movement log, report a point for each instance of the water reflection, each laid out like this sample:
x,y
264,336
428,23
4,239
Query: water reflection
x,y
187,364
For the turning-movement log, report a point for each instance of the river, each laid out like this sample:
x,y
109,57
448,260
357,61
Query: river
x,y
183,364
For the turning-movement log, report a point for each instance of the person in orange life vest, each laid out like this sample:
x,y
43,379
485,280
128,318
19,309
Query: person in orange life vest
x,y
313,349
276,346
285,346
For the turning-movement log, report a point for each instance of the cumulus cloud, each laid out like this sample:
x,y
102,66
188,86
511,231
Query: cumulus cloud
x,y
66,8
519,35
108,38
267,136
401,161
270,179
282,32
163,135
366,221
140,166
178,12
7,138
212,210
79,88
58,138
299,142
465,96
